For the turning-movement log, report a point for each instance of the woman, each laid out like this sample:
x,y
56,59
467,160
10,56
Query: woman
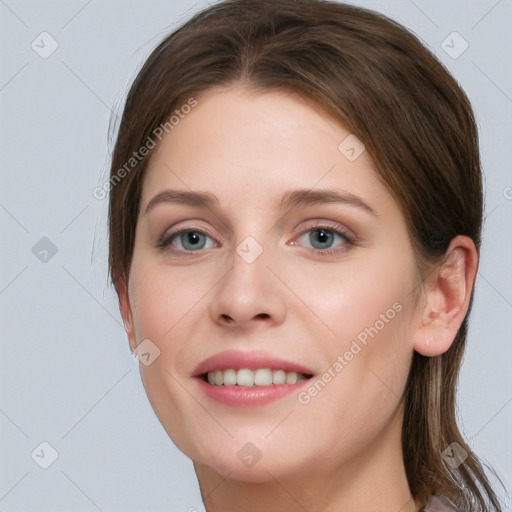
x,y
295,223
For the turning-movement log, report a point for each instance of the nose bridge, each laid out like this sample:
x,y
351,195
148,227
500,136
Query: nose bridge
x,y
249,291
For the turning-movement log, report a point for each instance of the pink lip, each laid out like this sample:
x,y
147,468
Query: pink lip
x,y
242,396
245,396
251,360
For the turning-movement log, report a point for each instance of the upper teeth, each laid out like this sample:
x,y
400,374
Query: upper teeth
x,y
259,377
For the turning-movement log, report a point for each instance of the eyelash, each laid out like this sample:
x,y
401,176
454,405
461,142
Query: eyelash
x,y
165,243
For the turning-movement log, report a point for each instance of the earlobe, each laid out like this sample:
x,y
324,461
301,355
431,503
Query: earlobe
x,y
126,313
447,292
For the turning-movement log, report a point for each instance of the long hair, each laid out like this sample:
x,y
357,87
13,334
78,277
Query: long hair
x,y
417,124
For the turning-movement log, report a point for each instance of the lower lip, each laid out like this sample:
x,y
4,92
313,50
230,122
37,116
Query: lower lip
x,y
248,396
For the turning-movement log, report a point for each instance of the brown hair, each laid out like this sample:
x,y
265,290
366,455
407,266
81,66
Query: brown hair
x,y
417,124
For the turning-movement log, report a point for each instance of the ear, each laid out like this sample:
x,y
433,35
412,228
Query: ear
x,y
126,312
447,294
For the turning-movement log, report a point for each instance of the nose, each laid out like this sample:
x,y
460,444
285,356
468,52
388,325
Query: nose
x,y
249,295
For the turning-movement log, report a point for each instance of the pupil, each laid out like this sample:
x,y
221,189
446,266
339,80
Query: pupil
x,y
323,236
191,240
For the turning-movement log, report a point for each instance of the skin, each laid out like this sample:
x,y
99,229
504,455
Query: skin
x,y
341,451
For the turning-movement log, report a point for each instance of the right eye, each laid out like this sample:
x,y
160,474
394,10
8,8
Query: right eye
x,y
185,241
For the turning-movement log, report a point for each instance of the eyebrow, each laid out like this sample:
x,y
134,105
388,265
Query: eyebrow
x,y
290,199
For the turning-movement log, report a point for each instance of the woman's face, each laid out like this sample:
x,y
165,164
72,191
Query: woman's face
x,y
271,275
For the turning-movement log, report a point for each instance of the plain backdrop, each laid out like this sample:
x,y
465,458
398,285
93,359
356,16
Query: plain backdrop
x,y
67,377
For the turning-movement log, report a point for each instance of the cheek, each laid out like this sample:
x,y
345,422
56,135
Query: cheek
x,y
166,308
351,299
365,308
161,300
170,306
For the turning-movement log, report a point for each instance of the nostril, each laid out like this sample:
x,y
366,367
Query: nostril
x,y
227,319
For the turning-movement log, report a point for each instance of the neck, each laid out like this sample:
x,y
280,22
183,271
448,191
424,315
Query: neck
x,y
374,481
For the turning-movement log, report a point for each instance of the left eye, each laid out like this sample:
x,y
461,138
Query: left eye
x,y
323,238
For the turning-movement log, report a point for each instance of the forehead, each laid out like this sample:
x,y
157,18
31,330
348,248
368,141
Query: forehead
x,y
248,147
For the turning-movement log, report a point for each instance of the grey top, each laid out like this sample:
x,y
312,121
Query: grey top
x,y
438,503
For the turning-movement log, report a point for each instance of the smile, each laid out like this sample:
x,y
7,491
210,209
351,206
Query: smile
x,y
248,378
245,379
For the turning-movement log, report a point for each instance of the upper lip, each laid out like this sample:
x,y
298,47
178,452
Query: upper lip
x,y
251,360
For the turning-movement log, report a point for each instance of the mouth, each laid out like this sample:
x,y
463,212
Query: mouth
x,y
249,378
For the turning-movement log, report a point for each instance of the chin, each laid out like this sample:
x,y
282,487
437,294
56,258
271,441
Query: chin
x,y
262,471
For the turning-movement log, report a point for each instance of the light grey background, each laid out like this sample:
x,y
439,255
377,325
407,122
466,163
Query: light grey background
x,y
67,376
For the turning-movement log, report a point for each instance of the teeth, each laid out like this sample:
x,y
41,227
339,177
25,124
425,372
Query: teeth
x,y
229,377
244,377
279,377
259,377
291,378
263,377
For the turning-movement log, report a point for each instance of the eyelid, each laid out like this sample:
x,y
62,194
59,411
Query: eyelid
x,y
177,229
328,224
